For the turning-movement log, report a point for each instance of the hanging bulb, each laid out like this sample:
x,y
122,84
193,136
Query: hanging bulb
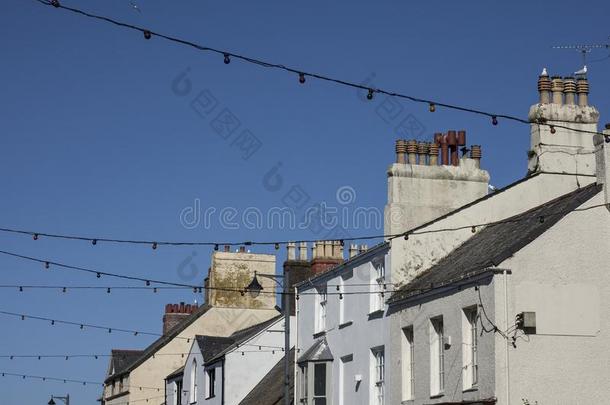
x,y
242,353
301,78
108,290
66,357
38,357
194,290
94,242
55,3
82,326
370,94
35,236
147,34
147,283
20,289
23,317
52,322
340,296
406,236
337,288
432,107
297,297
46,265
154,245
95,357
109,330
227,59
135,333
607,138
494,120
541,219
63,289
216,246
473,229
155,289
98,275
341,242
277,246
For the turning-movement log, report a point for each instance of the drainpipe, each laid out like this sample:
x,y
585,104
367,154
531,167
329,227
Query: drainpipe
x,y
165,391
296,345
506,355
222,389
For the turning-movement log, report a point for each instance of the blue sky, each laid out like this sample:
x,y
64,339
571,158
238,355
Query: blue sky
x,y
95,141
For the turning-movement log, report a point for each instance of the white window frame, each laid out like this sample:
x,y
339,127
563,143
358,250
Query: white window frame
x,y
303,381
470,367
342,319
378,283
408,364
378,375
321,309
345,360
193,382
437,356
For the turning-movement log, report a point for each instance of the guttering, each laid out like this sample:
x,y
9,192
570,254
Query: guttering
x,y
222,390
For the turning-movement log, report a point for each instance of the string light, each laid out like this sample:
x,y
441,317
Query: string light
x,y
432,107
301,78
147,34
279,66
553,129
94,242
46,265
154,245
227,59
35,236
494,120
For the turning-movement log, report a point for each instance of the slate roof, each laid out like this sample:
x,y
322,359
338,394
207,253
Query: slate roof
x,y
495,243
162,341
120,359
176,373
214,348
270,389
319,351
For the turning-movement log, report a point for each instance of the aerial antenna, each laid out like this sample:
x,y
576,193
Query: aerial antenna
x,y
584,49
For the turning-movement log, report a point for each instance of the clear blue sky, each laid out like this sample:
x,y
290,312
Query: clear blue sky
x,y
93,140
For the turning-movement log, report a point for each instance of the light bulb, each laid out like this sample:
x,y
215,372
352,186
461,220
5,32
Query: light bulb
x,y
370,94
301,78
147,34
494,120
227,59
432,107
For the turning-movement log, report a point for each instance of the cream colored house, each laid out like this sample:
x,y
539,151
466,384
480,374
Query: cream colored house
x,y
141,378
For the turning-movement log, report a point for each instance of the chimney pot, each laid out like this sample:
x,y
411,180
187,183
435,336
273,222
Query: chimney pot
x,y
303,251
569,88
401,149
582,88
433,151
544,88
557,88
291,248
461,138
475,154
412,151
242,249
227,248
353,250
422,151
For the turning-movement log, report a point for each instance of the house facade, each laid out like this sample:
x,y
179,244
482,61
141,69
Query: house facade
x,y
223,370
225,311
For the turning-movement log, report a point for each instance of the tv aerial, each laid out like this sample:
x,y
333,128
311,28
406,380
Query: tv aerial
x,y
585,49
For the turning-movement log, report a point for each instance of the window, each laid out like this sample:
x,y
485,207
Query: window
x,y
210,382
378,286
178,392
193,386
377,376
408,364
303,384
321,309
319,384
470,369
437,356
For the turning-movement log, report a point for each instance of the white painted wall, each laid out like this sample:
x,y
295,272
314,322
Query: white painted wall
x,y
566,362
356,339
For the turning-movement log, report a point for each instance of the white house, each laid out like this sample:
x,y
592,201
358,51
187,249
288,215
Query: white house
x,y
224,370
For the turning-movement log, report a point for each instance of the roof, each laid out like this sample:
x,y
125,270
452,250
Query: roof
x,y
175,373
319,351
496,243
349,262
270,389
214,348
120,359
162,341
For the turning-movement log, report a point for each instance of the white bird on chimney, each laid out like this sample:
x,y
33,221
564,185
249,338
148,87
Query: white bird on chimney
x,y
544,72
582,71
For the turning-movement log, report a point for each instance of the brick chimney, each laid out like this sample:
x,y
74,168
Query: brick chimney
x,y
326,254
297,268
423,184
561,150
176,313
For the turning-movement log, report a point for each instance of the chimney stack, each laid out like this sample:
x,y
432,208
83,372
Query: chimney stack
x,y
412,151
433,152
296,270
176,313
475,154
401,150
327,254
353,250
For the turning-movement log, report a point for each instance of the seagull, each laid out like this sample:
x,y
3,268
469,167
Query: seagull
x,y
544,72
135,6
582,71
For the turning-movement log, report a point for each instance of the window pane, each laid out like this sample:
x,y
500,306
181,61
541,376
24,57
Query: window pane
x,y
319,380
319,401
